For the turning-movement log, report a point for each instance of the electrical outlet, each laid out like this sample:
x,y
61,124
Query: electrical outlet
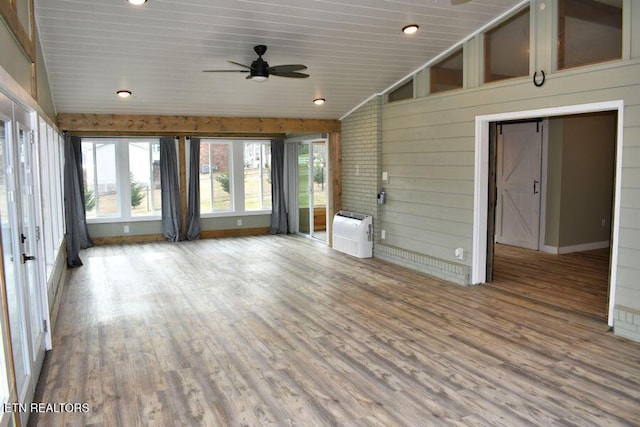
x,y
126,229
604,222
383,234
239,222
459,253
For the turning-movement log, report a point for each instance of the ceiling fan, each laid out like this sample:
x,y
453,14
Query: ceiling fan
x,y
260,70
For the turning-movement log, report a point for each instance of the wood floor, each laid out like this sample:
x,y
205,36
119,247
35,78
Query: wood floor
x,y
576,282
284,331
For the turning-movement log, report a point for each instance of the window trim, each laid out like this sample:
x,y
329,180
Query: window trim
x,y
237,179
232,178
122,176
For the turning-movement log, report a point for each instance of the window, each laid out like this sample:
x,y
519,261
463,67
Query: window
x,y
51,191
101,183
119,170
144,178
405,91
447,74
216,179
506,49
257,176
589,31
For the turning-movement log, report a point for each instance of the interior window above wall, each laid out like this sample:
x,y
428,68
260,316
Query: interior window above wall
x,y
589,31
447,74
506,49
405,91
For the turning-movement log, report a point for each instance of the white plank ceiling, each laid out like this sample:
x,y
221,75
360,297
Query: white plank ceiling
x,y
353,49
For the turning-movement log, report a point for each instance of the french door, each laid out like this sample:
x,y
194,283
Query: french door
x,y
23,288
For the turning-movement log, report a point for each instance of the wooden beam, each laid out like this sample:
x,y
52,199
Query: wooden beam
x,y
191,125
229,135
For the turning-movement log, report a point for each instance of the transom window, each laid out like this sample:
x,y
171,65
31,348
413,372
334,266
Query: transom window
x,y
506,49
404,91
589,32
447,74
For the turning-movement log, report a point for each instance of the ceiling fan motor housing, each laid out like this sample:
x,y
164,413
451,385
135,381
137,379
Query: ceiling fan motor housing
x,y
259,68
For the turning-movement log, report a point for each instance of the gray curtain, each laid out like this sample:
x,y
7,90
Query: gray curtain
x,y
291,184
77,234
279,220
193,203
170,189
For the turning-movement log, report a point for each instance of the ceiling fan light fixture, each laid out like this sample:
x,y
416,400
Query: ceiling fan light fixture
x,y
137,2
410,29
319,101
259,78
123,93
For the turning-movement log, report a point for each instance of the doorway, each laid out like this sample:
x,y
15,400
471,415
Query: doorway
x,y
23,288
312,188
483,207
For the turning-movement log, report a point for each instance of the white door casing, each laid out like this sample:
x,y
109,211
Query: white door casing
x,y
481,183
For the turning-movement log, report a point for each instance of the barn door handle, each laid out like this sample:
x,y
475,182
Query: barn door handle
x,y
535,187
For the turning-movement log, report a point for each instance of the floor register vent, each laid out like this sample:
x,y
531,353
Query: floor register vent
x,y
353,234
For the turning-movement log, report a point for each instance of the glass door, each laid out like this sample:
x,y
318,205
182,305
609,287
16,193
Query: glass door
x,y
30,238
23,287
26,249
11,344
312,188
319,189
305,202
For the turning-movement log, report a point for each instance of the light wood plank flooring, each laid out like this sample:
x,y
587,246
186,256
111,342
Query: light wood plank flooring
x,y
284,331
577,282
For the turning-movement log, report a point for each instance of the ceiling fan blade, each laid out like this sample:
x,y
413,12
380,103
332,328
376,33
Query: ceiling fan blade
x,y
225,71
290,74
287,68
242,65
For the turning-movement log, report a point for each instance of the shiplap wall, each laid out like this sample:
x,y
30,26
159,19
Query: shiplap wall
x,y
428,149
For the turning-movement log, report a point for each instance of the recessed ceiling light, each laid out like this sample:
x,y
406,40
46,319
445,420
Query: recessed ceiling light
x,y
137,2
123,93
410,29
319,101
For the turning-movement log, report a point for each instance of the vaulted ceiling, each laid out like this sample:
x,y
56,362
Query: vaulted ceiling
x,y
352,48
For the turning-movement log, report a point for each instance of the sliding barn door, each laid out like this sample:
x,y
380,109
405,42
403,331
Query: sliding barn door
x,y
518,184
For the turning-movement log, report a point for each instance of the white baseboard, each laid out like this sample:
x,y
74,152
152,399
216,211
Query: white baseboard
x,y
575,248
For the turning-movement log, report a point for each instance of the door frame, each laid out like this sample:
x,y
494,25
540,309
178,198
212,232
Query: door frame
x,y
481,183
310,140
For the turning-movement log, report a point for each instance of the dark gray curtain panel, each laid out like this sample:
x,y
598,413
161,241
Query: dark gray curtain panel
x,y
279,218
77,233
170,189
193,203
